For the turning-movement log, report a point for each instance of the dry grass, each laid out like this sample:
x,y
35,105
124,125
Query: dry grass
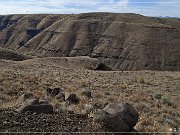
x,y
155,96
142,80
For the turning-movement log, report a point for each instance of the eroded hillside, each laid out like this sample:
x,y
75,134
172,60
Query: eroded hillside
x,y
120,41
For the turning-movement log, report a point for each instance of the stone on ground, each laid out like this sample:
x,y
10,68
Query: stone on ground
x,y
118,117
124,111
33,105
60,97
87,93
53,92
71,98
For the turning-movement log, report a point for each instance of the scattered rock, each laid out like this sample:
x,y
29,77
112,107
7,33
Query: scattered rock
x,y
47,98
71,98
33,101
33,105
60,97
123,111
46,108
99,105
58,108
49,91
45,102
53,92
118,117
87,93
88,108
25,96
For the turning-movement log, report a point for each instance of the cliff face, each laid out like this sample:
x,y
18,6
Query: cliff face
x,y
120,41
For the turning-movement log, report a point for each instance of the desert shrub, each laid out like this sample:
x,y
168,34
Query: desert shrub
x,y
166,99
158,95
1,88
111,99
124,86
11,92
142,80
107,93
142,107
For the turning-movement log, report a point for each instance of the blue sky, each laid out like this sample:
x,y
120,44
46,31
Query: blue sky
x,y
144,7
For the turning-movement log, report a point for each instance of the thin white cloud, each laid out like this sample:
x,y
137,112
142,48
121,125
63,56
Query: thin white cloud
x,y
155,8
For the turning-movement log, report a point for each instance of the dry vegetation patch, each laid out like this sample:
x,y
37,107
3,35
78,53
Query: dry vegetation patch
x,y
155,95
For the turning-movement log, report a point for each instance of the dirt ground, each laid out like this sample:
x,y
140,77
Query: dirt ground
x,y
155,95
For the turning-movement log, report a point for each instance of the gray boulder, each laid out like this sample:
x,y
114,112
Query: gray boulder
x,y
124,111
33,105
117,117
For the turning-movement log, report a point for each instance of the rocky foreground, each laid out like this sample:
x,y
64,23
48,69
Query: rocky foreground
x,y
12,121
36,115
154,95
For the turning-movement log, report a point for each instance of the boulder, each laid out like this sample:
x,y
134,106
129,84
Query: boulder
x,y
124,111
117,117
33,105
38,108
71,98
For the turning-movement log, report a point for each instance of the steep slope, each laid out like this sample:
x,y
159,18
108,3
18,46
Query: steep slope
x,y
121,41
11,55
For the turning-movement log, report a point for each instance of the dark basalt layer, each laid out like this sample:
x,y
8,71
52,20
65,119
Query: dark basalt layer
x,y
120,41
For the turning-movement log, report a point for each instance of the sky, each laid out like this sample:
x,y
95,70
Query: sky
x,y
144,7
